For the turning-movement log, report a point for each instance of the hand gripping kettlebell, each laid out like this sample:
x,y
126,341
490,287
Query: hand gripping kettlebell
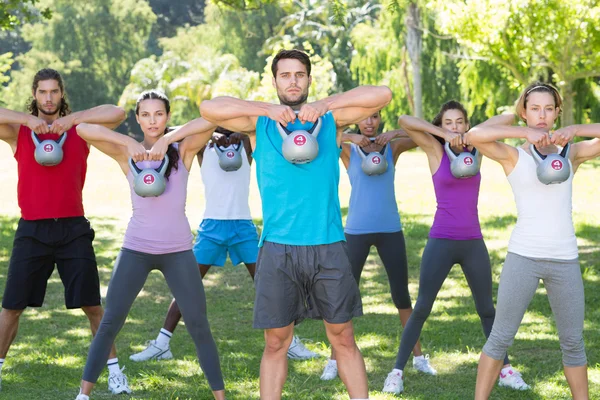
x,y
552,168
374,163
48,152
465,164
300,146
149,182
230,158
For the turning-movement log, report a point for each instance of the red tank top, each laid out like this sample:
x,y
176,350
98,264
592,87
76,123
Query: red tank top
x,y
51,192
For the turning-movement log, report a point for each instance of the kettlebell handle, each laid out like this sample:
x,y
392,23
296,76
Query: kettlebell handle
x,y
239,147
59,141
314,131
161,169
539,157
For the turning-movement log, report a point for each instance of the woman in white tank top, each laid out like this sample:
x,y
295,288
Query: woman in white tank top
x,y
543,243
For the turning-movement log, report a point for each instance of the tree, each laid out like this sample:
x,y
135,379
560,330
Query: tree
x,y
14,12
551,40
94,44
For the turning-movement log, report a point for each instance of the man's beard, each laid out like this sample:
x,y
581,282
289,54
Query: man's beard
x,y
283,100
53,112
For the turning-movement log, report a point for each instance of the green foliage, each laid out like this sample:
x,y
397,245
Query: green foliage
x,y
552,40
189,74
93,44
14,12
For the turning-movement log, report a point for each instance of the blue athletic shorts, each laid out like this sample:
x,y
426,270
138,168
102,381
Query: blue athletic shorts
x,y
217,237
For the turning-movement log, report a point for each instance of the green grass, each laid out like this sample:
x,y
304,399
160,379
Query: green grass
x,y
47,358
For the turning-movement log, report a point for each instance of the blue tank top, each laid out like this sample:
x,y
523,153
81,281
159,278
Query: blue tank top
x,y
300,202
373,207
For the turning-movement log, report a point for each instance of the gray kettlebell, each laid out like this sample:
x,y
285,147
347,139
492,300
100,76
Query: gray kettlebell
x,y
230,158
374,163
552,168
465,164
48,152
300,146
149,182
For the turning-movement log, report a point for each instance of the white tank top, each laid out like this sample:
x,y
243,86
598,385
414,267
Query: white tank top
x,y
544,226
226,192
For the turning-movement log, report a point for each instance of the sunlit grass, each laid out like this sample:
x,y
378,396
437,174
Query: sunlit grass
x,y
47,358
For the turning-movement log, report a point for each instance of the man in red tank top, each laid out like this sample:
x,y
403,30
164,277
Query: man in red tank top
x,y
52,229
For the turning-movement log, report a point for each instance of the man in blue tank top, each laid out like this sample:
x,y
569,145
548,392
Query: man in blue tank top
x,y
302,268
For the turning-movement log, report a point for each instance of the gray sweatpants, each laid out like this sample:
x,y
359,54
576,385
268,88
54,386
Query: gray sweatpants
x,y
518,282
183,277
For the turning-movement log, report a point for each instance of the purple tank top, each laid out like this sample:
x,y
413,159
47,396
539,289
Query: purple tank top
x,y
456,216
159,224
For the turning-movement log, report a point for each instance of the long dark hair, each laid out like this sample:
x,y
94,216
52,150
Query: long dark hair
x,y
449,105
47,74
171,151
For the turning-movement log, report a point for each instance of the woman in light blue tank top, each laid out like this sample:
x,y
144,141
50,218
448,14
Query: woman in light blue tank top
x,y
158,236
373,218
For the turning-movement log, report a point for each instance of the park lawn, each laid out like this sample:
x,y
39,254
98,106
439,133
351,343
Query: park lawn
x,y
46,361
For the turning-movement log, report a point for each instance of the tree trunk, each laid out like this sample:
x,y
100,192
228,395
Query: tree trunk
x,y
568,104
414,44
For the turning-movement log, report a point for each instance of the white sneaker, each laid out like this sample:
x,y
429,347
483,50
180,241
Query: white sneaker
x,y
152,352
511,378
297,351
421,363
117,383
82,396
394,383
330,371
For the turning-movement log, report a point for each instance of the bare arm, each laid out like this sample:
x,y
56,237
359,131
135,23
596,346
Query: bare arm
x,y
106,115
193,136
115,145
582,151
352,106
240,115
421,132
485,138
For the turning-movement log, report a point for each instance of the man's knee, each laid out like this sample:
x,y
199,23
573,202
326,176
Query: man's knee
x,y
94,313
277,340
10,315
341,336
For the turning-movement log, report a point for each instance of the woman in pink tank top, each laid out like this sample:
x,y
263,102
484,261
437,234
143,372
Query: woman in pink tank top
x,y
543,245
455,237
158,234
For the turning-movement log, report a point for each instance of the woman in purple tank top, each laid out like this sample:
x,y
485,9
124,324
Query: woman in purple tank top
x,y
158,235
454,238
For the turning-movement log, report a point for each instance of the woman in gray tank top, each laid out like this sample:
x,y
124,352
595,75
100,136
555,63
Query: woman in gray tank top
x,y
543,244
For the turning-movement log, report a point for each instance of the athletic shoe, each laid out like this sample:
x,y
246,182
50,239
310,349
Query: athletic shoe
x,y
394,383
297,351
117,383
82,396
330,371
512,378
152,352
422,364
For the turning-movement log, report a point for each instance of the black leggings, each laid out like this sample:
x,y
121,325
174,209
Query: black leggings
x,y
392,251
438,258
182,275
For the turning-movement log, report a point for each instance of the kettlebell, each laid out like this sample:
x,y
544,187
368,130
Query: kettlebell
x,y
48,152
374,163
230,158
149,182
300,146
465,164
552,168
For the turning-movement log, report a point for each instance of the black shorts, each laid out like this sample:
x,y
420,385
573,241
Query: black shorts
x,y
38,246
297,282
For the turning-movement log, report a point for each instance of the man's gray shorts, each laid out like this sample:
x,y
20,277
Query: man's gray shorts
x,y
297,282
